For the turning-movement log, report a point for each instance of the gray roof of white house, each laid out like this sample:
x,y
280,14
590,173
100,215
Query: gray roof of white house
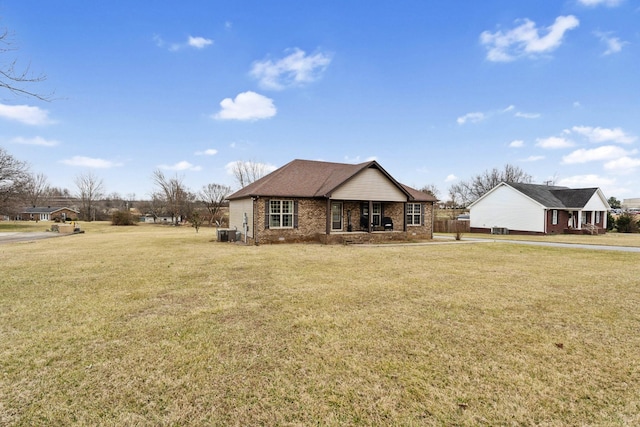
x,y
556,197
45,209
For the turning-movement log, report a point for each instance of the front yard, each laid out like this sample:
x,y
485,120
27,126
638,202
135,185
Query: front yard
x,y
156,325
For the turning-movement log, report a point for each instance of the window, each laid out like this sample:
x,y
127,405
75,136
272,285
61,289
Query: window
x,y
280,214
336,216
377,214
414,213
554,217
597,217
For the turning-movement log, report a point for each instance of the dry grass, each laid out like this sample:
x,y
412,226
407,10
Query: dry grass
x,y
159,326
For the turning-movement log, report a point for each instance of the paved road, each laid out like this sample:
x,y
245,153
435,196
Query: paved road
x,y
553,244
12,237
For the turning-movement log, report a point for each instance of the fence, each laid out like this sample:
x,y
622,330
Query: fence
x,y
451,226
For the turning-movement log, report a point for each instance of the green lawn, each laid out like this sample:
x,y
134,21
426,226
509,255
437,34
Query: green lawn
x,y
157,325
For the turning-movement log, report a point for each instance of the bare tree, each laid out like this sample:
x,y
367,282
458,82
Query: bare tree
x,y
90,189
432,190
173,192
14,176
155,206
466,192
13,79
37,190
213,196
247,172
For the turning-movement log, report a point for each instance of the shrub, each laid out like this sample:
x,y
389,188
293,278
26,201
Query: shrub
x,y
122,218
611,221
626,223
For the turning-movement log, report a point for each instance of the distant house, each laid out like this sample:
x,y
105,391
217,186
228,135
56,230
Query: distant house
x,y
330,203
49,213
539,209
631,204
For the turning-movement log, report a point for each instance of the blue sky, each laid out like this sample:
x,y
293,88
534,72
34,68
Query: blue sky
x,y
436,92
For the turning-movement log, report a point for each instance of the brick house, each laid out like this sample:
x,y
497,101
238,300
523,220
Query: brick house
x,y
49,213
305,201
520,208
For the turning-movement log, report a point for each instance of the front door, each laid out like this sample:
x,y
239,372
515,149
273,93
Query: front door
x,y
336,216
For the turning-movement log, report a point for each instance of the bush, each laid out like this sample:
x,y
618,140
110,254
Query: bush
x,y
626,223
122,218
611,222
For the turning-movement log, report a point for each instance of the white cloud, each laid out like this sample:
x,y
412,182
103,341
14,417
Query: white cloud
x,y
479,116
525,40
516,143
533,159
606,152
246,106
554,142
158,40
585,181
527,115
599,134
181,166
199,42
38,140
450,178
293,70
26,114
194,42
207,152
623,165
592,3
90,162
613,44
471,117
358,159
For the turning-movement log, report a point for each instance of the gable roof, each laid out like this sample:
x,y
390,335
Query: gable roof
x,y
551,196
312,179
45,209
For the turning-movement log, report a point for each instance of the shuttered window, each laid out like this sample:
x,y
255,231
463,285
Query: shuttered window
x,y
414,214
281,214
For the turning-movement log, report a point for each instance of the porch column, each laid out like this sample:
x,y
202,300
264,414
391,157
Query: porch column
x,y
404,216
328,217
580,220
370,224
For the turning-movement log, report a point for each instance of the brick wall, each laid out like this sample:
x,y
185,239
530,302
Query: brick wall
x,y
312,224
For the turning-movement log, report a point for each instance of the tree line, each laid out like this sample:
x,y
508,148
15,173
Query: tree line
x,y
21,188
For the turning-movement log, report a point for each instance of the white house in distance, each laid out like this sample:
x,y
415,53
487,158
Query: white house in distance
x,y
518,208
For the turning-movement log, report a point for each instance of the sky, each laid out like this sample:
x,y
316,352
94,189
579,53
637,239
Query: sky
x,y
434,91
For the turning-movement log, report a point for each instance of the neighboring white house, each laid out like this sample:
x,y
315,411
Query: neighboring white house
x,y
539,209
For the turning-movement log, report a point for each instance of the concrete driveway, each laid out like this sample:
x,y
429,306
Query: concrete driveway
x,y
552,244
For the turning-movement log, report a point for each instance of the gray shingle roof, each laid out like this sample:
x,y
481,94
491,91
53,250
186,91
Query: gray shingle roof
x,y
44,209
311,179
555,197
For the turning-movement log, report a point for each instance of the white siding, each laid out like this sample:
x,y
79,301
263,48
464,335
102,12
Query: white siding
x,y
237,209
595,204
506,207
370,184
